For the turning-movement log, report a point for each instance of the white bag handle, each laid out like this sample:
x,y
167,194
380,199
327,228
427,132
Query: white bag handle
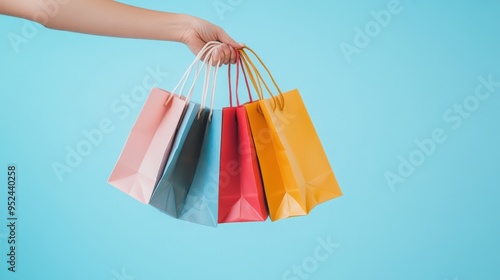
x,y
208,56
206,86
207,48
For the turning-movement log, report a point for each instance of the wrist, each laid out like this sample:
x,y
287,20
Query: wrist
x,y
177,27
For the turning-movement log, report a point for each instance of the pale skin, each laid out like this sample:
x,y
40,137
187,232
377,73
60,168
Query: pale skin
x,y
110,18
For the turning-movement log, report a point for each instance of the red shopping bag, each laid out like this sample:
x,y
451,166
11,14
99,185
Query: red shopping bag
x,y
241,193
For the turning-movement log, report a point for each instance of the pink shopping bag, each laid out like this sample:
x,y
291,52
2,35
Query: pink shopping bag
x,y
143,158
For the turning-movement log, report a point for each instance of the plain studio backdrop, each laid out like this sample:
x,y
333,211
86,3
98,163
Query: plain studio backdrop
x,y
404,96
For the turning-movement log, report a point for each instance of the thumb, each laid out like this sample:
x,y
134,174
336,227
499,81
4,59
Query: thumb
x,y
224,38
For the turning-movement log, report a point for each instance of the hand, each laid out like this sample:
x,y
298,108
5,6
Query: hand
x,y
198,32
112,18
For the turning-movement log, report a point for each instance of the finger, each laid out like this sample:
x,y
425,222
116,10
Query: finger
x,y
216,57
227,50
216,62
233,55
225,38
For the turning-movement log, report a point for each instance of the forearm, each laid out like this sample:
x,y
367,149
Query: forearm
x,y
109,18
105,17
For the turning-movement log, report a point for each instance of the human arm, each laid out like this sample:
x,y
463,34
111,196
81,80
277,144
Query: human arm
x,y
110,18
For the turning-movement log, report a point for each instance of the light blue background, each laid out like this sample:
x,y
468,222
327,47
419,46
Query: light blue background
x,y
441,223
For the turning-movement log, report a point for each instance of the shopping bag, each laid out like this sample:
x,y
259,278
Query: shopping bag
x,y
172,190
142,159
201,204
241,194
174,184
296,171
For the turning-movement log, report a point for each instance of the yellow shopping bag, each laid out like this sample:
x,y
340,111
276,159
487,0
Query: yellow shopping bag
x,y
295,169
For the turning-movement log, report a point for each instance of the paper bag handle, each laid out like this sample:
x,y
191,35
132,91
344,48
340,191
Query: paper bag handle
x,y
258,81
238,66
207,51
206,84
